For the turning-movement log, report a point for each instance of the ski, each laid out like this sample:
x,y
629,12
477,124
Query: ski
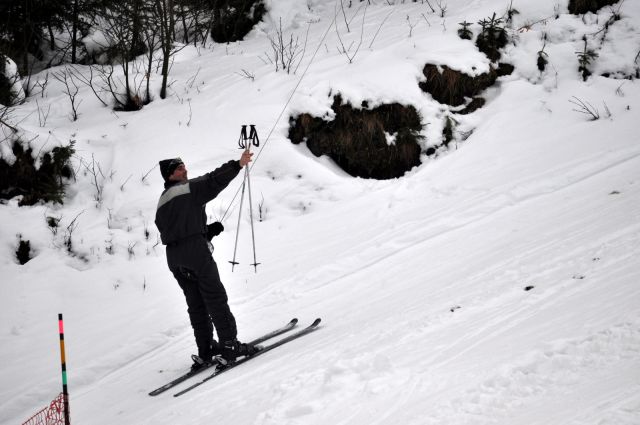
x,y
286,328
220,368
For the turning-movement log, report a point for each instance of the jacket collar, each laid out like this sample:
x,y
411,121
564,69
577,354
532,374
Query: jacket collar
x,y
171,183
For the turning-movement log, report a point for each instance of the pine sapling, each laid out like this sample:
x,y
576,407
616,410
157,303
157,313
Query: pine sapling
x,y
448,130
53,223
464,32
492,37
542,56
542,60
23,253
585,58
511,12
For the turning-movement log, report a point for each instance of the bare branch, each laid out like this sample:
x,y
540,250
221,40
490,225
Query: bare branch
x,y
144,177
431,7
344,15
125,182
88,81
247,74
95,171
42,115
345,51
72,89
5,117
585,108
380,27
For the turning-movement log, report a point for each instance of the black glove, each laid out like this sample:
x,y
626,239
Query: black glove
x,y
214,229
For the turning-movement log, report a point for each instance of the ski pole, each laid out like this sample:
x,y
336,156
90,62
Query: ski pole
x,y
242,143
245,142
253,136
253,238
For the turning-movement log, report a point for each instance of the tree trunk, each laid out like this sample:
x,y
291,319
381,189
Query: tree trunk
x,y
184,24
52,40
165,42
74,30
172,21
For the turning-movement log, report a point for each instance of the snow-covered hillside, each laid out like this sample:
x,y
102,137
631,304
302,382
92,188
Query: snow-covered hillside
x,y
497,283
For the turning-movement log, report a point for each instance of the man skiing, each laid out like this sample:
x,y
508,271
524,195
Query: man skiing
x,y
181,220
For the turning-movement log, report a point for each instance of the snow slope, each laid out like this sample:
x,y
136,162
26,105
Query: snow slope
x,y
495,284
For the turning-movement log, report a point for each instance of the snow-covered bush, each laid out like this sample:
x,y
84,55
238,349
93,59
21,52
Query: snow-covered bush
x,y
35,178
11,91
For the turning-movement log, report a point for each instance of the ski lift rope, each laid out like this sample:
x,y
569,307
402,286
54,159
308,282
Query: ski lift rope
x,y
293,92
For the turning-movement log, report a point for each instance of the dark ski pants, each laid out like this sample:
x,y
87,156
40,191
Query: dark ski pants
x,y
193,267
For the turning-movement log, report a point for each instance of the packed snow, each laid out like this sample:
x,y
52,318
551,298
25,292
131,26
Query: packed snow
x,y
496,283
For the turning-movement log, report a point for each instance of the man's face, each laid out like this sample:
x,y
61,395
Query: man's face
x,y
180,174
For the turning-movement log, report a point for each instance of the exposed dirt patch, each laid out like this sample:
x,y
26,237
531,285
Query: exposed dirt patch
x,y
452,87
579,7
379,143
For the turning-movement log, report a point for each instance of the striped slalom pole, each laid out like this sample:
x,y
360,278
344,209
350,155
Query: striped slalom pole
x,y
65,391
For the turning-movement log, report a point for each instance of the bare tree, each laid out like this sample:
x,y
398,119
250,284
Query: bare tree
x,y
347,51
88,81
164,13
97,178
71,90
123,28
285,53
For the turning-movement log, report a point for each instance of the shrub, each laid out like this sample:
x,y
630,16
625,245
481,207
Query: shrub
x,y
542,60
447,130
44,183
23,253
464,32
585,57
8,79
492,37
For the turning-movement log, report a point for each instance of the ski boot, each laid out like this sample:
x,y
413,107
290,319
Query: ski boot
x,y
233,349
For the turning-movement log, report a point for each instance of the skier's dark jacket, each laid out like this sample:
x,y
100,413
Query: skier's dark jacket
x,y
181,213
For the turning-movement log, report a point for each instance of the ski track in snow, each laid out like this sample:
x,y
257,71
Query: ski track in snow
x,y
518,391
518,386
367,254
522,388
